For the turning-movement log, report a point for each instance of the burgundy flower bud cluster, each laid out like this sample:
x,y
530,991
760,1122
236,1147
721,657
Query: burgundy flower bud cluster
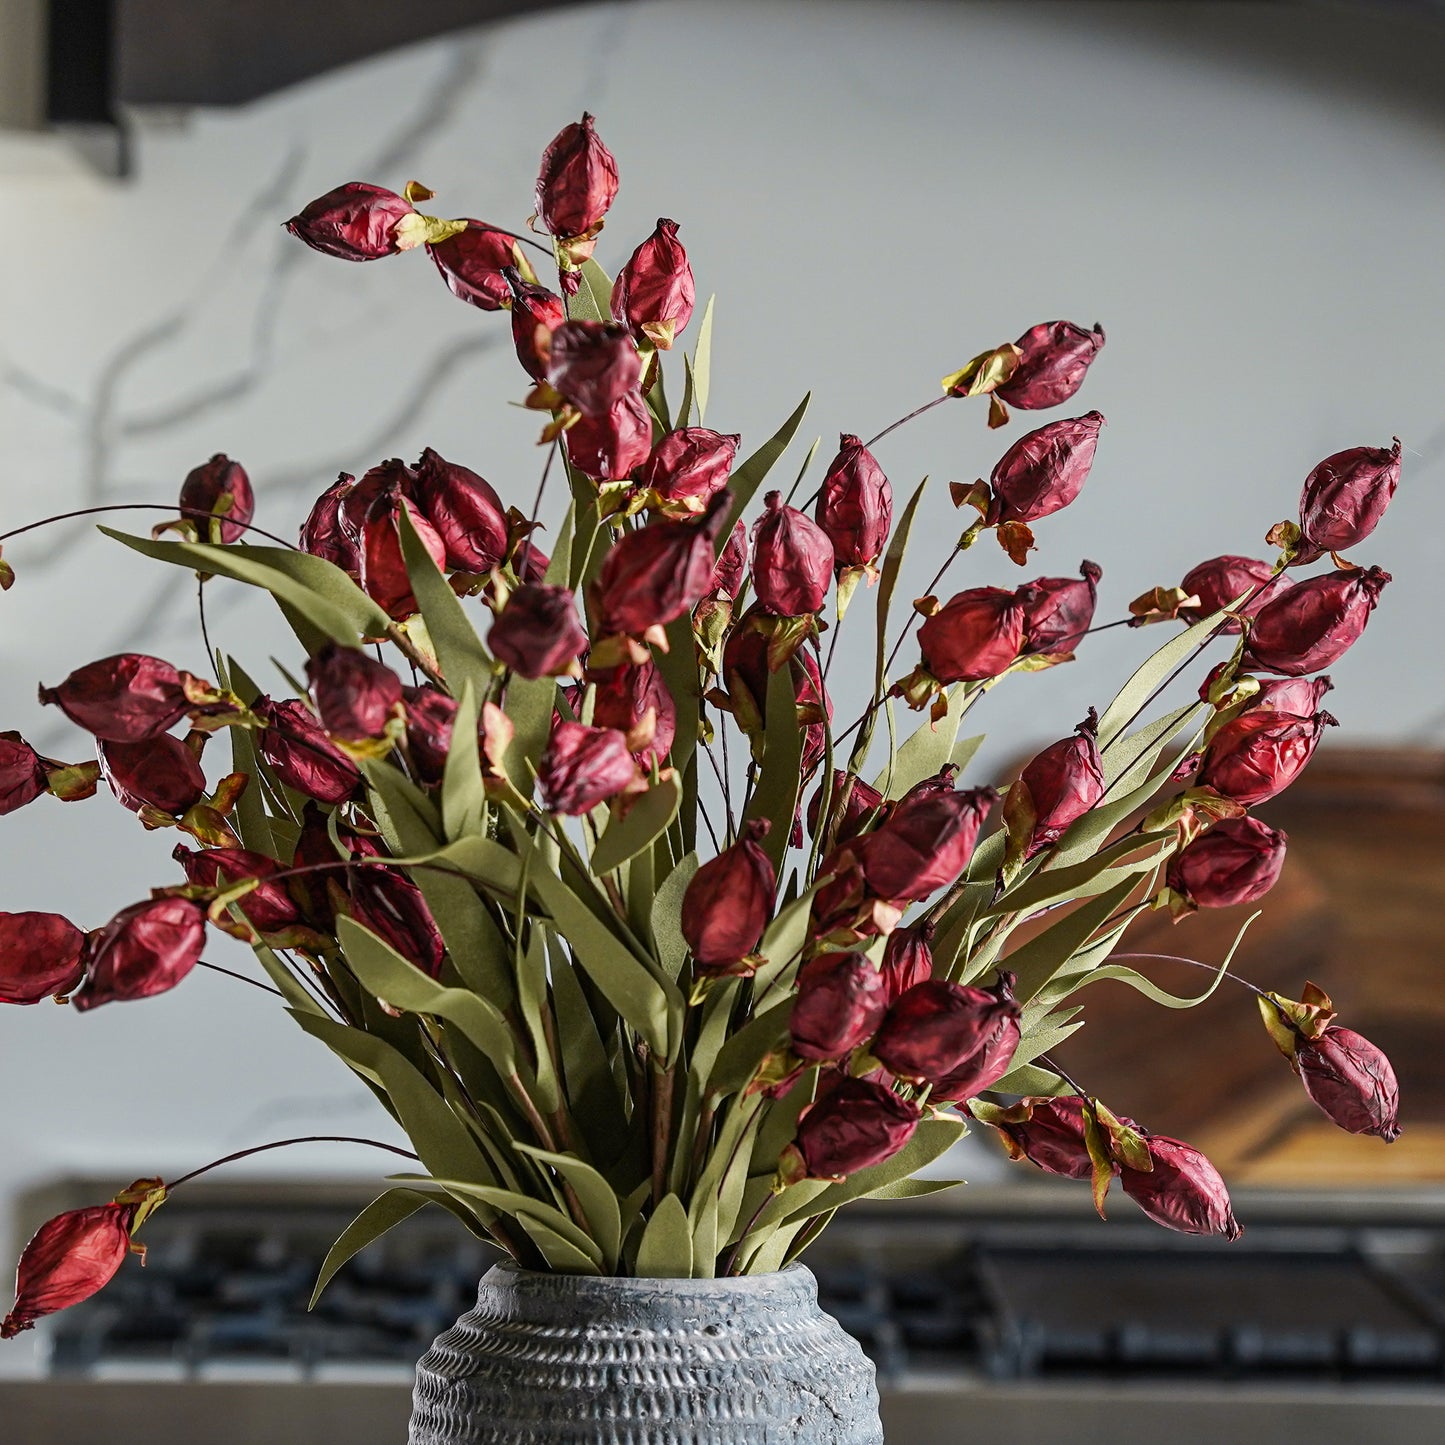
x,y
1059,786
635,700
1260,753
537,634
939,1031
1345,496
391,905
123,699
976,635
219,490
863,801
269,908
355,222
728,904
584,767
536,315
653,295
146,949
161,776
299,753
907,959
1054,358
924,843
71,1257
577,182
1222,580
42,955
858,1124
1352,1081
855,505
1044,471
792,561
25,775
688,468
1314,623
841,999
464,511
356,696
1237,861
593,365
471,263
613,445
1058,611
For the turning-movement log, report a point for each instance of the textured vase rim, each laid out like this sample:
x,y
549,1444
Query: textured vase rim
x,y
793,1278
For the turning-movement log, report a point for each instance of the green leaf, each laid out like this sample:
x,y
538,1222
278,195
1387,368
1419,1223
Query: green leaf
x,y
783,939
523,1207
1031,1079
775,798
667,939
532,998
1129,753
684,407
560,1254
914,1188
529,704
593,300
459,650
746,479
1137,853
285,981
598,1200
316,588
963,751
464,796
702,360
383,1213
250,817
1036,1044
591,1086
739,1057
645,820
771,1253
666,1248
559,565
397,981
929,747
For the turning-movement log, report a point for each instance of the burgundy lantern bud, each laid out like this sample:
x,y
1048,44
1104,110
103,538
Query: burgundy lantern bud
x,y
1298,695
925,843
430,714
40,956
935,1025
728,903
471,263
593,364
23,776
863,800
1058,611
1315,623
388,903
269,908
746,669
464,511
529,561
907,959
732,563
653,295
975,635
222,491
635,700
301,755
356,696
146,949
1352,1081
855,505
1056,789
355,222
1039,474
537,633
584,767
654,575
860,1123
322,534
1344,498
1183,1191
122,699
161,776
610,446
536,314
1236,861
993,1057
1260,753
688,468
1049,1132
577,181
383,566
841,1000
792,561
1221,580
1054,358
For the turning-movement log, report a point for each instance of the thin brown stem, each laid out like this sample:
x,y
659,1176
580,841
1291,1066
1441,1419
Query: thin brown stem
x,y
286,1143
413,654
917,411
142,507
230,973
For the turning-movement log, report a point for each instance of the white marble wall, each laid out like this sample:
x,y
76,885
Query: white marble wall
x,y
1250,198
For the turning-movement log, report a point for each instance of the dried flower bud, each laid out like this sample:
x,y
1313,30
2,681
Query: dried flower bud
x,y
430,714
384,576
301,755
471,263
994,1055
464,511
863,800
122,699
1044,470
1183,1191
1260,753
22,774
653,295
40,956
655,574
924,844
746,669
907,960
1048,1132
732,563
536,314
146,949
935,1025
635,700
1352,1081
1298,695
388,903
70,1258
269,908
1344,498
577,181
160,775
537,633
858,1124
355,222
1055,356
593,364
584,767
1315,623
322,534
688,468
1220,580
222,490
610,446
855,505
1236,861
728,903
975,635
792,561
317,892
1059,786
356,696
1058,611
841,1000
529,562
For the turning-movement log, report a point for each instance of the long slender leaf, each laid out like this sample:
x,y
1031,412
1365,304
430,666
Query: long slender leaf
x,y
464,795
646,819
459,650
593,300
666,916
599,1202
383,1213
666,1248
702,361
775,798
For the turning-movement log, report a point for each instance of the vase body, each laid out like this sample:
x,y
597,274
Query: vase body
x,y
545,1359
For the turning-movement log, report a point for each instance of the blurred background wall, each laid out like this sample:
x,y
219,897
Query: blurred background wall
x,y
1249,197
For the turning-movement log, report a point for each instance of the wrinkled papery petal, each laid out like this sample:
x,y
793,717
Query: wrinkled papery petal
x,y
219,488
144,950
41,956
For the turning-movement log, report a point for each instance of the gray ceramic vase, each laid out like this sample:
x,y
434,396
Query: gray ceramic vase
x,y
549,1359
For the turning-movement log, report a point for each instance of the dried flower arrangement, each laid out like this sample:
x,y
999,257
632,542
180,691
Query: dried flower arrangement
x,y
615,1047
